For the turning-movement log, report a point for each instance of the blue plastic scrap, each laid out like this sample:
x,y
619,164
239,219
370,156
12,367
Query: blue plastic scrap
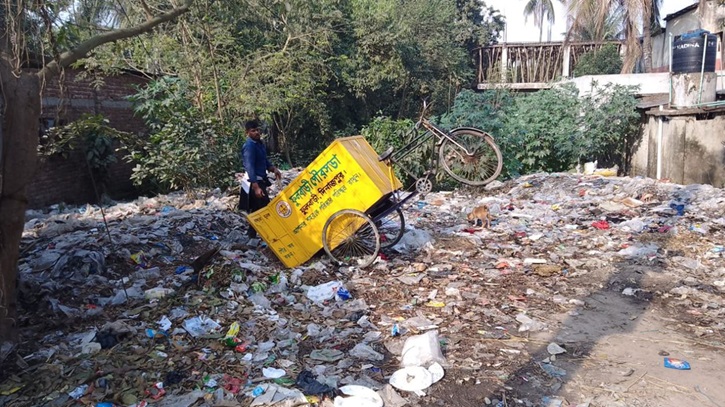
x,y
678,364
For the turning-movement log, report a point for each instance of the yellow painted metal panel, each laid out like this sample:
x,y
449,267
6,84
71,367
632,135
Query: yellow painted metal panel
x,y
346,175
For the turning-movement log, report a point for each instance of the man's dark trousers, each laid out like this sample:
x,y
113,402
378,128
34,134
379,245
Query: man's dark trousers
x,y
250,203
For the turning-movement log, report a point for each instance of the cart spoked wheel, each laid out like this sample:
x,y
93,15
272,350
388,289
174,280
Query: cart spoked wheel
x,y
391,229
350,237
424,185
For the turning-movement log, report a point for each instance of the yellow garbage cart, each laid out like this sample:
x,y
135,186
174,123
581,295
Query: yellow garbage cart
x,y
340,203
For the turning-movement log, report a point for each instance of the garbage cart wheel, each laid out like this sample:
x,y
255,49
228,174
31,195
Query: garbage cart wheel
x,y
391,229
350,237
474,159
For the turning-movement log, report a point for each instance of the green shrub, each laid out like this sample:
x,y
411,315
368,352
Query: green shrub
x,y
384,132
604,61
539,129
93,135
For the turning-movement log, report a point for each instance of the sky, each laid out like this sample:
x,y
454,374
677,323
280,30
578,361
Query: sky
x,y
520,30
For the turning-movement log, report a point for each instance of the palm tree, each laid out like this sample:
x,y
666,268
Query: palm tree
x,y
540,9
587,24
634,14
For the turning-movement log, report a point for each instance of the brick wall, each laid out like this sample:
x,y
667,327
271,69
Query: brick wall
x,y
67,180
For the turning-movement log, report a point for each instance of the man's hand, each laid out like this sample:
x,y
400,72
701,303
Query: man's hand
x,y
257,190
277,174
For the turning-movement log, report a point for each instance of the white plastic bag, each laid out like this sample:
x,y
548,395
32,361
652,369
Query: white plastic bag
x,y
422,350
324,292
416,378
359,396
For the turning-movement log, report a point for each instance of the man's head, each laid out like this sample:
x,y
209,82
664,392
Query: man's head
x,y
252,129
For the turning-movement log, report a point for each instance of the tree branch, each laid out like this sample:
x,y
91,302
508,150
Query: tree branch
x,y
69,57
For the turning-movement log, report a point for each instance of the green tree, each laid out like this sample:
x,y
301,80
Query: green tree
x,y
25,23
182,141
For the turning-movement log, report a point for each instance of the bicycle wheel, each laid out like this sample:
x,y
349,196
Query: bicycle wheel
x,y
350,237
478,163
391,229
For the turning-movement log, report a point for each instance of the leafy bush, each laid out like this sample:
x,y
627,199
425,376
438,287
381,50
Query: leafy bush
x,y
93,135
552,130
609,125
185,149
384,132
604,61
539,129
486,111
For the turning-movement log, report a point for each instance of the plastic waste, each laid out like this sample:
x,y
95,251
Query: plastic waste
x,y
164,323
416,378
413,240
326,355
528,324
78,392
306,381
639,251
422,350
324,292
157,292
199,326
358,396
677,364
552,370
273,373
365,352
633,225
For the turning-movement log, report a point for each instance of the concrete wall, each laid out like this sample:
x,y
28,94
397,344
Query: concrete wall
x,y
649,83
693,151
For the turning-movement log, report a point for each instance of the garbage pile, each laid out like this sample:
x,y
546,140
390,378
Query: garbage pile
x,y
167,302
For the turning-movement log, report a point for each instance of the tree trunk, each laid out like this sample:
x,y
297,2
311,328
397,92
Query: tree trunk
x,y
647,35
20,128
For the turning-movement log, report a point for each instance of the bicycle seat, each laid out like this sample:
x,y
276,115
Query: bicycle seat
x,y
384,156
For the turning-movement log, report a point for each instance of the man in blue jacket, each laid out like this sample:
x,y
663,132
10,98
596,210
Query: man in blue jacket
x,y
256,164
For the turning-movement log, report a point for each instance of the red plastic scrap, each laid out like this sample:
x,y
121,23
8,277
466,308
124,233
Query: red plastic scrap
x,y
157,391
601,224
232,384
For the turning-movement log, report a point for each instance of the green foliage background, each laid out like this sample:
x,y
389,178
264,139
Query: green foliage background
x,y
313,71
546,131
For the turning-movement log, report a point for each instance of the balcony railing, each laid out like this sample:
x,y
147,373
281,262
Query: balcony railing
x,y
531,65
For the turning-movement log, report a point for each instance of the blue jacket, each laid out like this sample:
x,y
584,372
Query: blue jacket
x,y
254,157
